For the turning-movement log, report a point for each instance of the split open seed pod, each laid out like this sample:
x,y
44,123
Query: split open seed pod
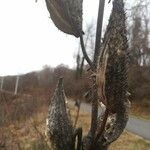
x,y
66,15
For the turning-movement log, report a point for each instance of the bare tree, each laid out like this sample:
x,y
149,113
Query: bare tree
x,y
139,41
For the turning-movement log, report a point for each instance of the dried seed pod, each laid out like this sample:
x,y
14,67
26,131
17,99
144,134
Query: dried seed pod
x,y
112,71
66,15
60,130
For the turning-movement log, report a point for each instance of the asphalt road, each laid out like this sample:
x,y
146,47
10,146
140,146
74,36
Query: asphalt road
x,y
137,126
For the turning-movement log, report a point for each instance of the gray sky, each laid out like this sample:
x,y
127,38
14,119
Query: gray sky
x,y
29,39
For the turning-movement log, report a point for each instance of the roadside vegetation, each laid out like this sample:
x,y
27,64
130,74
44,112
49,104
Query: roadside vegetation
x,y
141,110
28,133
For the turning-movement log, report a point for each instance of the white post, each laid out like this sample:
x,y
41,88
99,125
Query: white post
x,y
16,86
2,82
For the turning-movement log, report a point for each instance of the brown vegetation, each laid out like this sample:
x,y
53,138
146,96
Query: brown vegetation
x,y
29,134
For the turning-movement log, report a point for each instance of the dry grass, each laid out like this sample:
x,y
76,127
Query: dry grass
x,y
29,135
127,141
141,110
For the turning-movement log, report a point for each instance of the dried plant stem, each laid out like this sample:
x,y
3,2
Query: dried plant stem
x,y
84,52
77,116
95,63
99,31
94,114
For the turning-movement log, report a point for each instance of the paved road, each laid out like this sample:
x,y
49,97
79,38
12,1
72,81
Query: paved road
x,y
137,126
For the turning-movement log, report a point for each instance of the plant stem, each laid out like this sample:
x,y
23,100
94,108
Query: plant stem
x,y
94,114
99,31
95,63
84,52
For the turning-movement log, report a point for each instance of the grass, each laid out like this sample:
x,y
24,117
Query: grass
x,y
30,134
141,110
127,141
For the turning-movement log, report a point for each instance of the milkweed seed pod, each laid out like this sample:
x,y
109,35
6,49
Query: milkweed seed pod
x,y
112,71
59,124
66,15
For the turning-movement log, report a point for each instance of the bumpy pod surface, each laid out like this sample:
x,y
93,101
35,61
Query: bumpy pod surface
x,y
60,127
112,71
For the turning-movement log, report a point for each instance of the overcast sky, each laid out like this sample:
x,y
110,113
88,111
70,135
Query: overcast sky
x,y
29,39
